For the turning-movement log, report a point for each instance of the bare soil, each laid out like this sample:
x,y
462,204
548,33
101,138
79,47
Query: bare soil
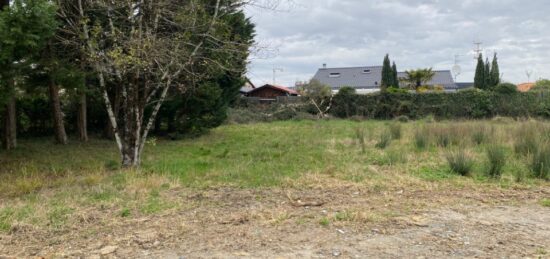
x,y
318,222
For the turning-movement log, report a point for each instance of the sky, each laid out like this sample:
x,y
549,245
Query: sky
x,y
299,36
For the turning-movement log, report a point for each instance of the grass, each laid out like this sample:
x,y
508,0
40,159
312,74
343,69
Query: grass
x,y
460,162
545,203
42,187
496,156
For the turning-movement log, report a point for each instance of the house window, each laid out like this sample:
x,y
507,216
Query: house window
x,y
333,75
366,71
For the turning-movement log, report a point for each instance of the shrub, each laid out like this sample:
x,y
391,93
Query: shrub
x,y
395,131
540,163
496,156
460,163
506,88
403,119
421,139
384,141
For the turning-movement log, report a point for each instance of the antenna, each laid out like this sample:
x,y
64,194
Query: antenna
x,y
478,50
529,73
275,70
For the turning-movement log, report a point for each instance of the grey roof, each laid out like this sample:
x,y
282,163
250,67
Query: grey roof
x,y
358,77
464,85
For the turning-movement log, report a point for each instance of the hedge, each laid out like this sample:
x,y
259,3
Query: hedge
x,y
469,104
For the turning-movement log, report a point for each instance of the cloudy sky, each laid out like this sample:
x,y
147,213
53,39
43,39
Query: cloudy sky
x,y
300,37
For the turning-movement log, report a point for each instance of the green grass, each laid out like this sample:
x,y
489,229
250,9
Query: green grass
x,y
248,156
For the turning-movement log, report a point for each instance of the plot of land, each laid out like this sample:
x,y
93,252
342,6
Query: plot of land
x,y
288,190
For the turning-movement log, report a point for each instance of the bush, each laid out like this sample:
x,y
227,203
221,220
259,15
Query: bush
x,y
395,131
496,156
460,163
540,164
385,140
506,88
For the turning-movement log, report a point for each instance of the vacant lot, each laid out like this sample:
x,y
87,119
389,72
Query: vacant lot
x,y
288,189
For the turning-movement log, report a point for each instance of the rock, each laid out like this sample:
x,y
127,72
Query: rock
x,y
336,253
108,250
341,231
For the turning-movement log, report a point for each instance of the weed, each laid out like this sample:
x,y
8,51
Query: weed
x,y
545,202
324,222
526,140
6,218
403,119
496,156
125,213
384,141
460,163
58,216
360,136
395,131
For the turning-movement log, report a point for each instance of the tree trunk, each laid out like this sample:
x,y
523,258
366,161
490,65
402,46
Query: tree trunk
x,y
9,141
59,127
82,119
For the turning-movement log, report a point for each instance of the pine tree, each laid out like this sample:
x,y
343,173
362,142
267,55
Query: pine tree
x,y
479,79
487,77
495,72
387,74
395,77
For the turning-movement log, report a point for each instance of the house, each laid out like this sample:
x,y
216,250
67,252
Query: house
x,y
368,79
526,87
248,86
271,92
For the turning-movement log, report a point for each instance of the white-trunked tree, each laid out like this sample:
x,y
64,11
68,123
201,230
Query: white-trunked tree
x,y
141,51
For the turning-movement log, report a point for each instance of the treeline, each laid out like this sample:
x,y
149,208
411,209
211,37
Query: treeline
x,y
119,69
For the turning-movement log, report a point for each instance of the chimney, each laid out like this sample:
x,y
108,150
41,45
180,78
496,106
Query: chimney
x,y
325,66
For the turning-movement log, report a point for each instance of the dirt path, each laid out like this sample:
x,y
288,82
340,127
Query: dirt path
x,y
350,223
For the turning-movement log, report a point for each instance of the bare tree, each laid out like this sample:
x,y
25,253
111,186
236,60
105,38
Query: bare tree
x,y
145,49
319,95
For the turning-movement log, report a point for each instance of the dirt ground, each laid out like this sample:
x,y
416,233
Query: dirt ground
x,y
342,221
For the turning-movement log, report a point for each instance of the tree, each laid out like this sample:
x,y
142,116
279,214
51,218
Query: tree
x,y
319,94
495,72
479,79
487,75
142,50
25,28
387,74
395,76
417,78
506,88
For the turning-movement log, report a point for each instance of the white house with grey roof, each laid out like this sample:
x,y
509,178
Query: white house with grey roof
x,y
367,79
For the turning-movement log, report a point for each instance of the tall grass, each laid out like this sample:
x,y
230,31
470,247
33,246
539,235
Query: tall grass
x,y
526,139
460,162
496,156
421,139
360,136
384,141
540,162
480,135
395,130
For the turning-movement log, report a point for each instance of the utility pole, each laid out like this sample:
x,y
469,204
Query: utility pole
x,y
529,73
478,50
275,70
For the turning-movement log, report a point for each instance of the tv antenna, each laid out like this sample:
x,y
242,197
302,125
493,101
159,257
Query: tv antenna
x,y
275,70
478,50
529,73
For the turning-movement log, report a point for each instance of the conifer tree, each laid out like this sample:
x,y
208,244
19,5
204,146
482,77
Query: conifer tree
x,y
488,79
495,72
387,74
479,79
395,77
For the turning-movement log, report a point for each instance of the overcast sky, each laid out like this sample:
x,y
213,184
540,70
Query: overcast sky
x,y
416,34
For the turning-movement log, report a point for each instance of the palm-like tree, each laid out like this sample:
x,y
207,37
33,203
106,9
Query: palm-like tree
x,y
417,78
